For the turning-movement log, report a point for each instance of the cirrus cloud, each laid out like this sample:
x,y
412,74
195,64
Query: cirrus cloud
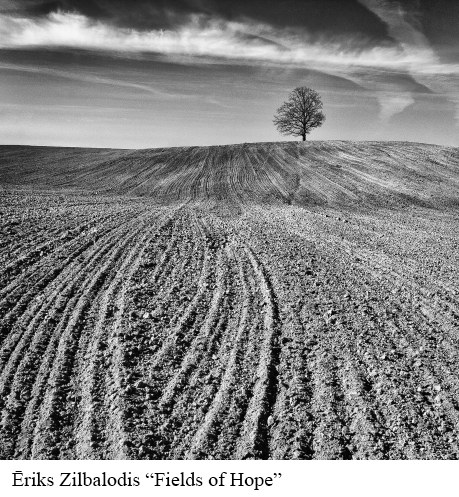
x,y
210,39
205,37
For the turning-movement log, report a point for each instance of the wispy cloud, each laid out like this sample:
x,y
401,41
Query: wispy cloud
x,y
211,38
430,71
90,78
86,78
256,43
393,103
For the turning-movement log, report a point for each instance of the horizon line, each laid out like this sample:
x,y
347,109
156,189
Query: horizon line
x,y
300,142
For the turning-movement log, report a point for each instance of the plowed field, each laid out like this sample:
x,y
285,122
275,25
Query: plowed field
x,y
248,301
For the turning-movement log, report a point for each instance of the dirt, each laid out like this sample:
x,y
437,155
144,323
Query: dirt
x,y
287,301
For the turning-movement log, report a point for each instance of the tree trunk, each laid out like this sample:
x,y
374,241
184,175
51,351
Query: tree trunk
x,y
304,138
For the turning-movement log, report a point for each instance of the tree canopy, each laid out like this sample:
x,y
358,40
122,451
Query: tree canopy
x,y
300,114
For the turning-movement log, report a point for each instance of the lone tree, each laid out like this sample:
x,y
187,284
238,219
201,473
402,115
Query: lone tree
x,y
301,113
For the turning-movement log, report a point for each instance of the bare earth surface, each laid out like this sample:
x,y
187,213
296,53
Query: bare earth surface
x,y
248,301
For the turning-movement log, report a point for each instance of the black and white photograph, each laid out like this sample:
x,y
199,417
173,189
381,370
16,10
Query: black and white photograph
x,y
229,230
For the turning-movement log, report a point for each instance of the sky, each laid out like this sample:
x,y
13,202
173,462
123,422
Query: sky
x,y
159,73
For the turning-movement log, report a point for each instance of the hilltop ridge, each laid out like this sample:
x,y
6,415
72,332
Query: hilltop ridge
x,y
335,173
